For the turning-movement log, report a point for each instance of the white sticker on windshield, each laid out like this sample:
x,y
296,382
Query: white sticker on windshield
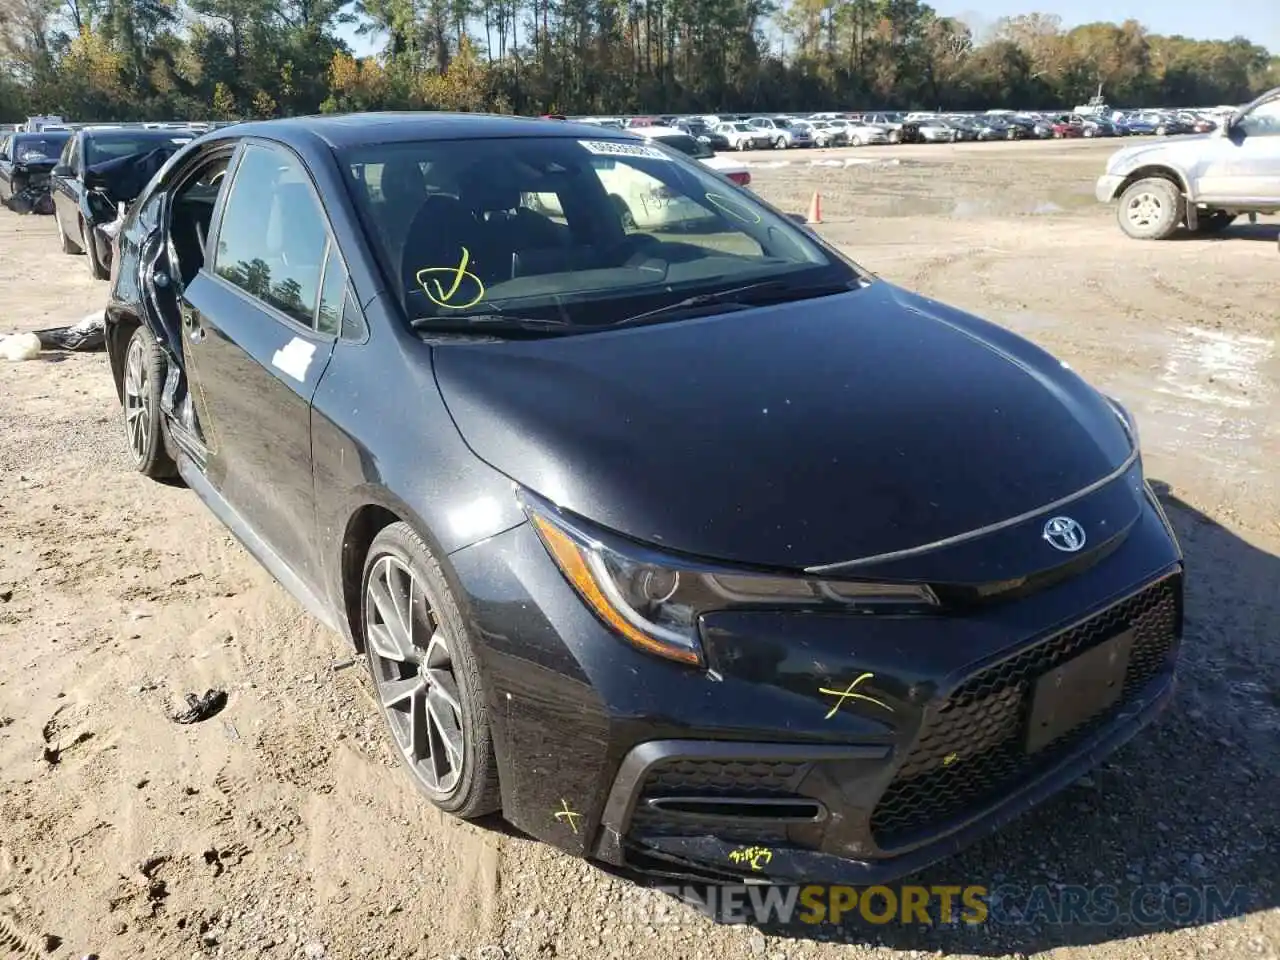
x,y
612,148
179,140
294,358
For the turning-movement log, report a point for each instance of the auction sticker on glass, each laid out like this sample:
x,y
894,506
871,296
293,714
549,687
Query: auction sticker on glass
x,y
610,148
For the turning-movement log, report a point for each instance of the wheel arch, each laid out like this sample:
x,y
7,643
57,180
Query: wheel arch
x,y
120,325
1158,171
379,510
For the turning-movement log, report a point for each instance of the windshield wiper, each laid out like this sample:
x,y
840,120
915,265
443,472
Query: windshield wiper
x,y
482,323
751,295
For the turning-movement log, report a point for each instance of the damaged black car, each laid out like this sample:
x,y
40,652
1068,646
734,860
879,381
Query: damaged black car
x,y
667,542
99,171
26,161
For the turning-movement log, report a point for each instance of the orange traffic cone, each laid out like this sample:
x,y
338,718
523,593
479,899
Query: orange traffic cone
x,y
815,209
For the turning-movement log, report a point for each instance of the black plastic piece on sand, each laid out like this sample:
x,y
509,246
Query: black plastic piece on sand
x,y
202,708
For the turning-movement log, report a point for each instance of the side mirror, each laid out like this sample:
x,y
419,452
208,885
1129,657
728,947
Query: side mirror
x,y
799,218
62,170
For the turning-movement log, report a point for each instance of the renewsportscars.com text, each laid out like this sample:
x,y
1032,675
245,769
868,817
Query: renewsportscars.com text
x,y
973,904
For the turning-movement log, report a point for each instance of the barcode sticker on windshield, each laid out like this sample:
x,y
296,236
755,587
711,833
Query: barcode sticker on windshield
x,y
612,148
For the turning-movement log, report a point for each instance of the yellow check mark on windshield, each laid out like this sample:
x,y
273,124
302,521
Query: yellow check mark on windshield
x,y
429,278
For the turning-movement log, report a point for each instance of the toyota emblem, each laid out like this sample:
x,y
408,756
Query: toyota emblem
x,y
1064,534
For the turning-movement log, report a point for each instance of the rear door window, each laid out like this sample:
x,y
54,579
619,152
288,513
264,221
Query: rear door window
x,y
274,234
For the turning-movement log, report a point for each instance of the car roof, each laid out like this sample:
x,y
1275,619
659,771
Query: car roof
x,y
131,133
339,131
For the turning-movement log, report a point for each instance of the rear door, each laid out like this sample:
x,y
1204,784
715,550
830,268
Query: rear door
x,y
256,349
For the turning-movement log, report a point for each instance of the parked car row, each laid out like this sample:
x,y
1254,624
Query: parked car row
x,y
837,129
84,177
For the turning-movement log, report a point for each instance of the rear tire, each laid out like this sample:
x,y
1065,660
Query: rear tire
x,y
66,243
780,143
96,269
624,212
426,676
1214,222
145,368
1150,209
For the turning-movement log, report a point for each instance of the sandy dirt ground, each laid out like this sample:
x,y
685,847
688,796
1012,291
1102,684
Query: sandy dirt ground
x,y
282,828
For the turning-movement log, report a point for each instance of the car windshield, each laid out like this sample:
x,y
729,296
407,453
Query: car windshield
x,y
688,146
578,232
35,149
100,147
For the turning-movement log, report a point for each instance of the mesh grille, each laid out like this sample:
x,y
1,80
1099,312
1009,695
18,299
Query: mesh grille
x,y
716,778
709,777
971,749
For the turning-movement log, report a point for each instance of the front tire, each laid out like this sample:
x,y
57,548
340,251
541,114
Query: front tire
x,y
96,268
1150,209
145,367
426,677
780,143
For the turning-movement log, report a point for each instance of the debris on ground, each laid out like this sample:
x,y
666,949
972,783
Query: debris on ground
x,y
202,708
20,346
89,334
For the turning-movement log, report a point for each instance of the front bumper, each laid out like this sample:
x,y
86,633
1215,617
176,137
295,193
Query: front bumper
x,y
1107,187
674,771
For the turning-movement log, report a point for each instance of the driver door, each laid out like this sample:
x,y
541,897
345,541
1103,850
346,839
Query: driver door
x,y
1254,164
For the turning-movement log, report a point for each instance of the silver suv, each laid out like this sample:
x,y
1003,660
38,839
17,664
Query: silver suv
x,y
1203,181
782,133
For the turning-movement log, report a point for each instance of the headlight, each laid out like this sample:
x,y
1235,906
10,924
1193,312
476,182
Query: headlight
x,y
654,602
1126,418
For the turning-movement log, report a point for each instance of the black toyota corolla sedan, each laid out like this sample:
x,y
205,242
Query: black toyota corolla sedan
x,y
663,534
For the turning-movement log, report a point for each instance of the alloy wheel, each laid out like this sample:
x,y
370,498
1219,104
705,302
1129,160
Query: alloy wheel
x,y
1144,210
413,670
137,401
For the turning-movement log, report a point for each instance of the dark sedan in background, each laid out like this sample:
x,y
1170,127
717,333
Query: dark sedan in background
x,y
79,200
26,160
661,543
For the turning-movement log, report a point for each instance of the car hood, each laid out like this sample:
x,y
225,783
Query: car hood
x,y
1184,148
816,432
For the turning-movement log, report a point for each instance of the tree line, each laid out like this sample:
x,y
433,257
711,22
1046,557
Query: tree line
x,y
109,60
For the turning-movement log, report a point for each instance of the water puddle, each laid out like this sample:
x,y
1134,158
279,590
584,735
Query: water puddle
x,y
1211,398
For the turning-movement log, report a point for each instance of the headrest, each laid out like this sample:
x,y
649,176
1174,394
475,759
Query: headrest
x,y
402,182
486,193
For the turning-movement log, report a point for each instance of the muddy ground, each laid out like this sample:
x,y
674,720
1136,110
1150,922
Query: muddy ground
x,y
283,828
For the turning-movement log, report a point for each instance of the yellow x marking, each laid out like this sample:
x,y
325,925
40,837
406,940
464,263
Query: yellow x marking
x,y
564,814
849,693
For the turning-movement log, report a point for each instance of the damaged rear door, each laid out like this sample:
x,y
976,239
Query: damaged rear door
x,y
256,347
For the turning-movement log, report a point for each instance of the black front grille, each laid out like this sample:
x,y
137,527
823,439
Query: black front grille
x,y
768,778
762,779
971,750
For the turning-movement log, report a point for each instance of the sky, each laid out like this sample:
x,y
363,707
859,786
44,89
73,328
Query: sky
x,y
1258,20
